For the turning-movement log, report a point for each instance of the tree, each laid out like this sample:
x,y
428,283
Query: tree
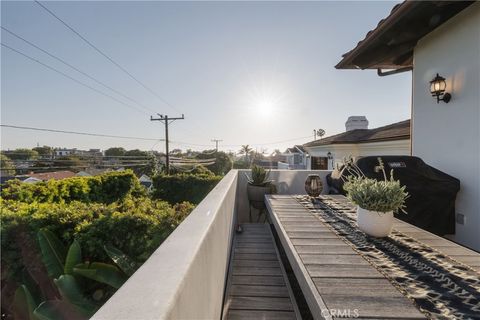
x,y
223,163
44,151
6,165
22,154
115,152
136,153
246,150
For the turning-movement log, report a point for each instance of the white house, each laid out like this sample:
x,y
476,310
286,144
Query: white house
x,y
358,140
430,38
295,158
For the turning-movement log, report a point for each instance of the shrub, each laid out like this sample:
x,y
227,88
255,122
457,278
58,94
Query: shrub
x,y
106,188
183,187
137,226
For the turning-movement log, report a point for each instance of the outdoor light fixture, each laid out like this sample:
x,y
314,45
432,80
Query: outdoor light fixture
x,y
437,89
329,155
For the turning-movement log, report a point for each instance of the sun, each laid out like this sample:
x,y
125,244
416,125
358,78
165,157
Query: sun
x,y
265,106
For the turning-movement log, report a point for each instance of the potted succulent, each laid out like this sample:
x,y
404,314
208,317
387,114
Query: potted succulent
x,y
376,200
258,186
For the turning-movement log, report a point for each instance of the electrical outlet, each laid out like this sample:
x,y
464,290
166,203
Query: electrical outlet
x,y
460,218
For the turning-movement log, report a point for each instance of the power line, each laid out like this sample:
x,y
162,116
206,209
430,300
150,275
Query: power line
x,y
166,121
105,55
76,69
71,78
79,133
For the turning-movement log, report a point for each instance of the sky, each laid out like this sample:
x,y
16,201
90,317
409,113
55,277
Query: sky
x,y
257,73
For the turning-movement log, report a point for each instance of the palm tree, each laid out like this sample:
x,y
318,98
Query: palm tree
x,y
245,149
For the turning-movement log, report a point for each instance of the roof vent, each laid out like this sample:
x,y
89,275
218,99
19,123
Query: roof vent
x,y
356,122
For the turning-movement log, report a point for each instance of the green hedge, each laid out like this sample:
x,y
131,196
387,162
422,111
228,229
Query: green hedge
x,y
183,187
137,226
105,188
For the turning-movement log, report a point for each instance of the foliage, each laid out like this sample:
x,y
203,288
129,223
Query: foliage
x,y
246,150
115,152
136,226
241,164
44,151
106,188
259,177
183,187
6,166
78,296
21,154
223,163
370,194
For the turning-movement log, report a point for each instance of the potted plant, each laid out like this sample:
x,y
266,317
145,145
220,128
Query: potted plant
x,y
258,186
376,200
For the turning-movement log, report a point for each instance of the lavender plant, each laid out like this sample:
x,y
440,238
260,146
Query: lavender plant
x,y
370,194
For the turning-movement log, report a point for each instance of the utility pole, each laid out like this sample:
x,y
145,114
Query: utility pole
x,y
216,143
166,121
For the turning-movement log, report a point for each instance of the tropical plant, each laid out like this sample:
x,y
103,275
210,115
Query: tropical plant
x,y
259,177
245,149
66,269
370,194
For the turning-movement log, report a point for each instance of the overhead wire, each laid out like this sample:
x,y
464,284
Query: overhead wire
x,y
71,78
79,133
76,69
105,55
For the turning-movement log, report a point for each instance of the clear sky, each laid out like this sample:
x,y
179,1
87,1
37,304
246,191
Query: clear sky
x,y
244,72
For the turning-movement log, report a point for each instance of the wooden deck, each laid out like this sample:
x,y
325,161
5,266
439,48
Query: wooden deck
x,y
257,286
332,276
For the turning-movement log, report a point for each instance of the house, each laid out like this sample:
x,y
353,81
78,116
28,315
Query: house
x,y
439,42
295,158
55,175
358,140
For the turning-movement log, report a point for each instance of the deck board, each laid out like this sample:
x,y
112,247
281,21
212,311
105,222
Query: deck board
x,y
257,286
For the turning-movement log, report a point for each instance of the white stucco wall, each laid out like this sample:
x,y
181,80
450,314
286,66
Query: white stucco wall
x,y
340,151
447,136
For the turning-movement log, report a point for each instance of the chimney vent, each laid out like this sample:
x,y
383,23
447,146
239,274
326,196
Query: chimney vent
x,y
356,122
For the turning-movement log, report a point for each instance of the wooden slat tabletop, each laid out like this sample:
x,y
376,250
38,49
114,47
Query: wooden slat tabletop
x,y
331,274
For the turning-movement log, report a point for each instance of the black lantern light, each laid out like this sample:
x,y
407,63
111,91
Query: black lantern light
x,y
437,89
329,155
313,185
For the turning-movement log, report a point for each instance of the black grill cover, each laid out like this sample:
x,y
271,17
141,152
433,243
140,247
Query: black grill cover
x,y
431,205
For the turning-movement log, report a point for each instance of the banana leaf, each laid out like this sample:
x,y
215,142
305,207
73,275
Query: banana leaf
x,y
53,253
59,309
101,272
121,260
24,304
74,257
71,292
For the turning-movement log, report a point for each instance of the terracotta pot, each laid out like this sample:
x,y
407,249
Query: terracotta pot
x,y
373,223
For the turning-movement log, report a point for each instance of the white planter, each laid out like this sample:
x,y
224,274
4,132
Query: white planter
x,y
376,224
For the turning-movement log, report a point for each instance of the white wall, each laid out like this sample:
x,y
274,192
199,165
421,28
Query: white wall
x,y
447,136
287,182
340,151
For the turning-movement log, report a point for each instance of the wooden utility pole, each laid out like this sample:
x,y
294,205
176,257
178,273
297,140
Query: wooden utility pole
x,y
166,121
216,143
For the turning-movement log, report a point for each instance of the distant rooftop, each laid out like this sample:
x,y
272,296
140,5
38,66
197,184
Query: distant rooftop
x,y
390,45
56,175
395,131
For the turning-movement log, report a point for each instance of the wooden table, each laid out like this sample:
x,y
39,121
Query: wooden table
x,y
334,277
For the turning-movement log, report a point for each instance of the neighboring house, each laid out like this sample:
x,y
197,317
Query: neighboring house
x,y
358,140
295,158
430,38
55,175
83,174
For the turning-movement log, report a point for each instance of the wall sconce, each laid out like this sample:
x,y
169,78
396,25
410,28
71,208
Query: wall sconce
x,y
437,89
329,155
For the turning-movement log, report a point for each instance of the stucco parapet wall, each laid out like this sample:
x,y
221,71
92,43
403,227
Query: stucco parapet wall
x,y
185,277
